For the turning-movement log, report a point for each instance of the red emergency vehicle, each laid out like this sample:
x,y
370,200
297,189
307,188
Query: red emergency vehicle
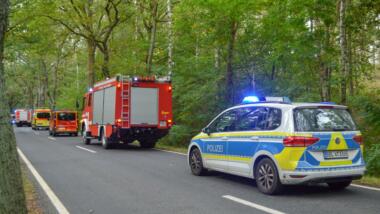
x,y
125,109
63,122
23,117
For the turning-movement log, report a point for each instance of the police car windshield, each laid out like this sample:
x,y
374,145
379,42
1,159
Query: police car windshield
x,y
43,115
66,116
323,119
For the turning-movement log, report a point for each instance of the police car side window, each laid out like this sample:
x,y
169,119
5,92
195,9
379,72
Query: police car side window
x,y
273,119
252,119
224,123
258,119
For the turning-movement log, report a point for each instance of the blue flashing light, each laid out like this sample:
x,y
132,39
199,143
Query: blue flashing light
x,y
329,103
250,99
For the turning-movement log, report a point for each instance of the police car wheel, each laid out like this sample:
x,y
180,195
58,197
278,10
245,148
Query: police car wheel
x,y
195,161
267,178
339,185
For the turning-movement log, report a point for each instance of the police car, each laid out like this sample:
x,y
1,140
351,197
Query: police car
x,y
277,143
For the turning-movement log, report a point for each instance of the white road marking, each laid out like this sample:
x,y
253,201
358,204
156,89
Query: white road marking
x,y
89,150
49,192
178,153
52,138
36,133
253,205
365,187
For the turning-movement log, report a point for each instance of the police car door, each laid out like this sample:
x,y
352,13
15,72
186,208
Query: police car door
x,y
242,146
215,146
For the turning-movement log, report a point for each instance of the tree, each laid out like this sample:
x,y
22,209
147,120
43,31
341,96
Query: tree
x,y
343,49
93,21
12,199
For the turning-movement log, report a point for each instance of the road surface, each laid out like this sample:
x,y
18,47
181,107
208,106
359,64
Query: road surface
x,y
89,179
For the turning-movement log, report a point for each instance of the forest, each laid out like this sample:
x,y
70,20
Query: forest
x,y
217,52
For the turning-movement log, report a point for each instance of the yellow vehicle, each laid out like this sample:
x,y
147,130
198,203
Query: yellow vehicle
x,y
41,118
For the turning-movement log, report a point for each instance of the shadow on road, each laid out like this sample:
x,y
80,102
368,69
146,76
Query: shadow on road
x,y
289,190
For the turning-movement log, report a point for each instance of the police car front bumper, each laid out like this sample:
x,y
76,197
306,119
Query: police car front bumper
x,y
322,175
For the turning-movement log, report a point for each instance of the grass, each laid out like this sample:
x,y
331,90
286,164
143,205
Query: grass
x,y
172,148
369,181
30,194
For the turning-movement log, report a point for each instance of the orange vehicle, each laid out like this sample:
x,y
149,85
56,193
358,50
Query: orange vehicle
x,y
64,122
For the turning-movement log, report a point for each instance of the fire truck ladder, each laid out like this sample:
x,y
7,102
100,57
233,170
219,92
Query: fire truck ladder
x,y
125,94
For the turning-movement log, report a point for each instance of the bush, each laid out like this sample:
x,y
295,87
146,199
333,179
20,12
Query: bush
x,y
179,136
373,160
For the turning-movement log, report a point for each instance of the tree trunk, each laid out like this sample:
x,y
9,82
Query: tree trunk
x,y
170,38
106,60
152,38
91,48
343,50
230,93
12,198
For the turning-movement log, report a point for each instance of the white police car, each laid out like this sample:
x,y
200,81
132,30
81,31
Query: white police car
x,y
278,142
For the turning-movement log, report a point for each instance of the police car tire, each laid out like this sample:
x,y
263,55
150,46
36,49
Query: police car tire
x,y
195,155
339,185
269,166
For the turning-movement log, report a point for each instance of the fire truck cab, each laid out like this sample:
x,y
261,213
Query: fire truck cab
x,y
125,109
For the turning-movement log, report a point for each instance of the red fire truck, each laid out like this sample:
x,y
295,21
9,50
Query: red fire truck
x,y
125,109
23,117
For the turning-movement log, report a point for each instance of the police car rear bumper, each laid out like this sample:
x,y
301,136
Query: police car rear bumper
x,y
322,175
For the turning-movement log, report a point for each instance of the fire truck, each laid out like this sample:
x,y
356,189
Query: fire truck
x,y
23,117
125,109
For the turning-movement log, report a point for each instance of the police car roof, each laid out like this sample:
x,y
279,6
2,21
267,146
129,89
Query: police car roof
x,y
288,105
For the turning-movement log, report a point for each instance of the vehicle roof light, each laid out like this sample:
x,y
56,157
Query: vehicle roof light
x,y
251,99
278,99
90,90
329,103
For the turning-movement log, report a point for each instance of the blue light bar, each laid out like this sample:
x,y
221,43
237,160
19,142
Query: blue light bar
x,y
250,99
329,103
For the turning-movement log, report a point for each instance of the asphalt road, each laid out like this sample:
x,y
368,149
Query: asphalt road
x,y
88,179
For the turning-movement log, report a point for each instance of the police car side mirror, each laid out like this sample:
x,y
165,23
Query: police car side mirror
x,y
206,130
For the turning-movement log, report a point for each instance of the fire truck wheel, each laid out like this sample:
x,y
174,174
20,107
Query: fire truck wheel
x,y
106,142
86,140
147,144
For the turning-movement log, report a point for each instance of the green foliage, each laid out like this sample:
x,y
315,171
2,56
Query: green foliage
x,y
373,159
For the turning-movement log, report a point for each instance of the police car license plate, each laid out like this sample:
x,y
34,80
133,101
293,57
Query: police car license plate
x,y
335,154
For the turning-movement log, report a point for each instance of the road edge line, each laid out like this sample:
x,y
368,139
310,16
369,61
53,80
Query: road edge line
x,y
88,150
253,205
45,187
365,187
163,150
